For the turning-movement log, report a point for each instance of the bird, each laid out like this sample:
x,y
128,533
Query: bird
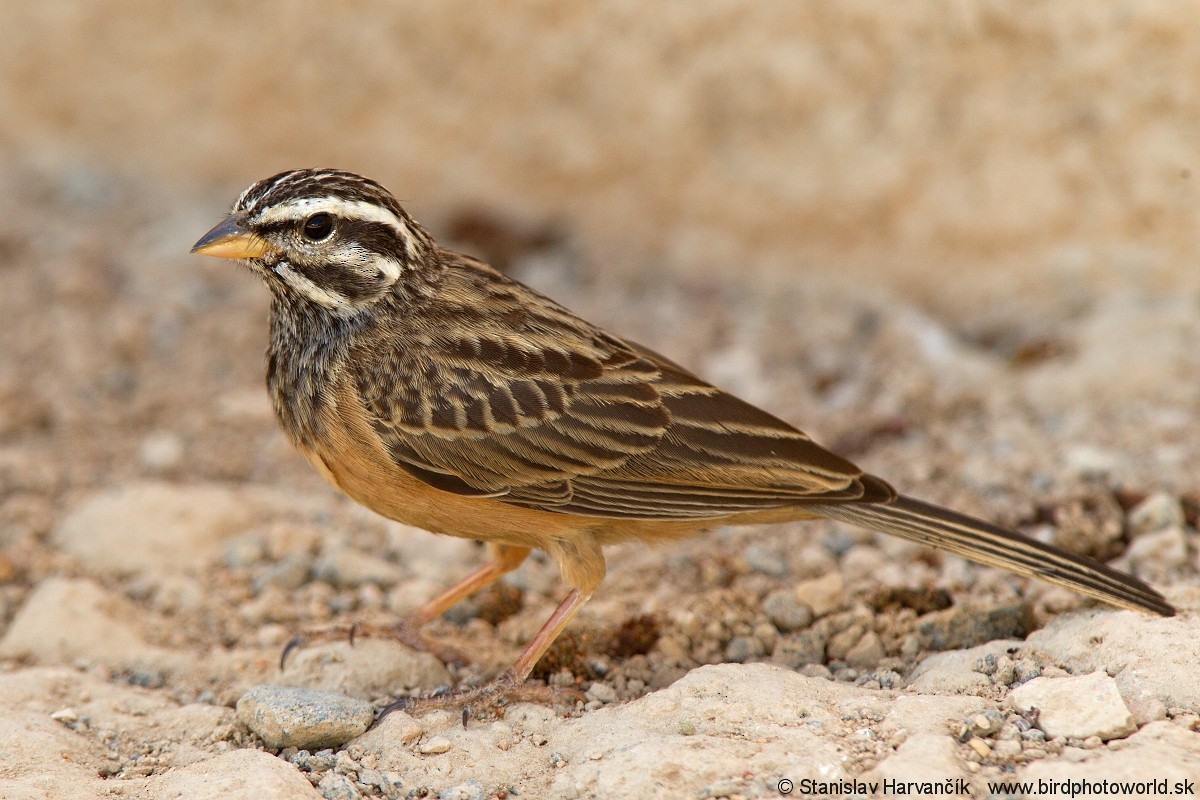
x,y
444,394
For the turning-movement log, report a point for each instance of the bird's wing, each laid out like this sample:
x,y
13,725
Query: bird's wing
x,y
523,401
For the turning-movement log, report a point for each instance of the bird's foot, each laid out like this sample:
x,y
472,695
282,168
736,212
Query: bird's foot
x,y
488,701
403,632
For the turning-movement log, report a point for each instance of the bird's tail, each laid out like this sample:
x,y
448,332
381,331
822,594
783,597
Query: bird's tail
x,y
990,544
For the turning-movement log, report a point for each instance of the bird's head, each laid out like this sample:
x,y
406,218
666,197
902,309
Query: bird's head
x,y
330,238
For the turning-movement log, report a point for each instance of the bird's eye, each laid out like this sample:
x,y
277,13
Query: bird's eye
x,y
318,227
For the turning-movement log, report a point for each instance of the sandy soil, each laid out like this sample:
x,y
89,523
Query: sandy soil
x,y
160,542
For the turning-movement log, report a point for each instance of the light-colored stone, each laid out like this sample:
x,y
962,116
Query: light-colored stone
x,y
1077,707
286,716
1150,657
434,746
930,713
154,527
69,620
954,672
371,667
346,567
1159,510
1162,754
238,775
923,757
824,594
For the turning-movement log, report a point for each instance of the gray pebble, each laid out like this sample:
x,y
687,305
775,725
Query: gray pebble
x,y
744,648
338,787
806,647
1159,510
468,790
285,716
786,612
290,572
245,551
347,568
767,559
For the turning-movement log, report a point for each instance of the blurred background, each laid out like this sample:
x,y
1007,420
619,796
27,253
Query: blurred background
x,y
963,151
954,241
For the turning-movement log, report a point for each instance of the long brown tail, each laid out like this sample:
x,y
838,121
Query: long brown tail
x,y
990,544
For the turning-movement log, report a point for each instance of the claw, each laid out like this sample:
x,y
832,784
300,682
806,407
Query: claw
x,y
292,644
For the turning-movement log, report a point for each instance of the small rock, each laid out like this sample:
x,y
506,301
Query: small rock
x,y
468,790
338,787
797,650
242,774
347,568
963,626
1090,461
285,716
744,648
824,594
66,716
161,451
1076,707
982,725
371,667
1007,748
245,551
1159,510
786,612
601,692
867,651
153,527
766,558
1158,552
290,572
435,746
922,757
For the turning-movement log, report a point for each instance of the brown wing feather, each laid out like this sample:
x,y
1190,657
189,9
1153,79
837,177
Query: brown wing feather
x,y
519,399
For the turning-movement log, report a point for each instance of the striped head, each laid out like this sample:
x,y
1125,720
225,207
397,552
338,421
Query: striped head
x,y
334,239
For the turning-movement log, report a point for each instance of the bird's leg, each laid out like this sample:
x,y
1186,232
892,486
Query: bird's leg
x,y
545,637
511,685
505,558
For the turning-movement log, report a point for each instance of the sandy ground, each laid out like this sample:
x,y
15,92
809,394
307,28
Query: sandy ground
x,y
160,542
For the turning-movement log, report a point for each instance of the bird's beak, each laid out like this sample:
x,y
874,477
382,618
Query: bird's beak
x,y
231,239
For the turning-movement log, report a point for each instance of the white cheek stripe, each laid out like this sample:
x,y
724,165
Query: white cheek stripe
x,y
309,289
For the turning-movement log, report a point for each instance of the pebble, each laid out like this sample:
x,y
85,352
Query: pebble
x,y
744,648
160,451
290,572
468,790
338,787
1007,748
822,595
309,719
1077,707
786,612
798,650
767,559
66,716
1159,551
347,568
435,746
152,528
1159,510
602,693
962,626
1090,461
